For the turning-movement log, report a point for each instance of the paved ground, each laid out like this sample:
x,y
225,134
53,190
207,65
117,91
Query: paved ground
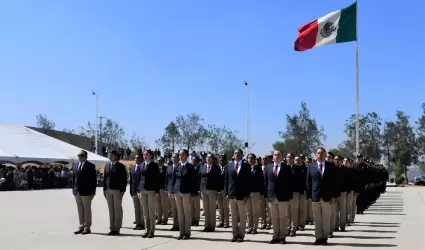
x,y
46,220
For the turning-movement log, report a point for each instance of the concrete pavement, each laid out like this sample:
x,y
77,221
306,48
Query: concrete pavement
x,y
47,219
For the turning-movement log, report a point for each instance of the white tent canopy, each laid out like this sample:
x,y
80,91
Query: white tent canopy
x,y
19,144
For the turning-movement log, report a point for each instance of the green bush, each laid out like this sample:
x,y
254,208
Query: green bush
x,y
399,180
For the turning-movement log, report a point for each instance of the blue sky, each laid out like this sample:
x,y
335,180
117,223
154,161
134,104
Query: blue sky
x,y
150,61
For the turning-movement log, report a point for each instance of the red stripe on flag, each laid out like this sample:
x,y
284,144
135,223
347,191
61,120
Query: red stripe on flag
x,y
307,35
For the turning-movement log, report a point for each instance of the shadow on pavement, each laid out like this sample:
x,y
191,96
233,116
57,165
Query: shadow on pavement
x,y
372,231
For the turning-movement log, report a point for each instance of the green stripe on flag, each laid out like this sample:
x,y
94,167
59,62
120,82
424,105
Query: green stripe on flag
x,y
347,24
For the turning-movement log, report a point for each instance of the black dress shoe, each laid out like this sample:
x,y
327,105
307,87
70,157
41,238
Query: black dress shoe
x,y
79,231
274,241
138,227
86,231
159,222
283,241
302,228
145,235
234,239
325,242
342,229
331,235
180,237
263,227
249,231
164,223
220,225
318,242
240,240
175,229
254,232
226,226
113,233
268,227
150,235
186,237
142,227
336,229
292,234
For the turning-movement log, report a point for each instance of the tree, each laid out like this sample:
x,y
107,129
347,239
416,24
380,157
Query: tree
x,y
302,135
400,142
421,137
111,134
370,139
222,140
169,139
44,122
343,152
289,145
136,142
192,131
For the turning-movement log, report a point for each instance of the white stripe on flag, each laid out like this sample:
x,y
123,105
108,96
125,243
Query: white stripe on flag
x,y
325,36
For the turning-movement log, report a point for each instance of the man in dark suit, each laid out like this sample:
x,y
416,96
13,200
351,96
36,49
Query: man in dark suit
x,y
278,182
170,179
148,191
186,187
114,186
84,188
210,185
134,186
237,178
321,187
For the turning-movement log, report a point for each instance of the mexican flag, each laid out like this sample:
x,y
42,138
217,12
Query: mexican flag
x,y
336,27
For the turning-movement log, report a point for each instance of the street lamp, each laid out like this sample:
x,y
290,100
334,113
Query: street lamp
x,y
247,120
97,116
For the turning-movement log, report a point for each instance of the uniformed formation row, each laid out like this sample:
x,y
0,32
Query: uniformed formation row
x,y
283,193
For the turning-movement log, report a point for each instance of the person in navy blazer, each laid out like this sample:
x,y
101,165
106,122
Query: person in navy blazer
x,y
210,186
278,182
172,188
149,191
162,204
237,177
84,182
257,190
114,187
186,187
321,187
134,187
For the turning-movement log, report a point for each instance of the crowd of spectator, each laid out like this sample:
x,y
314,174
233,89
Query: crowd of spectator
x,y
48,176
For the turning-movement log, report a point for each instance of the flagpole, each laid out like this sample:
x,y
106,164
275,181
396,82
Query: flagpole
x,y
247,120
357,80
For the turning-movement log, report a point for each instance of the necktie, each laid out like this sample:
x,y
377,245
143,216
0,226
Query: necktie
x,y
137,169
236,167
79,166
275,169
208,168
320,169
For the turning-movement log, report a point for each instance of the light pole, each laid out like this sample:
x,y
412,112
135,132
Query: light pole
x,y
247,120
97,126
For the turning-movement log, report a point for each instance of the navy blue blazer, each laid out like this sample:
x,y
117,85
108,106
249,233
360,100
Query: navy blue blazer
x,y
321,187
186,180
170,179
134,180
237,186
115,177
210,180
278,187
257,179
149,177
84,182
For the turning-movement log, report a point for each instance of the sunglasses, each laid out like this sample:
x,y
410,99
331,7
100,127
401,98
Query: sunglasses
x,y
80,155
